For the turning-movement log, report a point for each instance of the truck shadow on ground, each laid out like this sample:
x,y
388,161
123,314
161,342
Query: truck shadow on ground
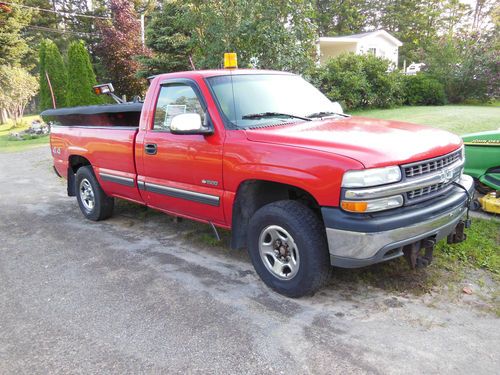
x,y
394,276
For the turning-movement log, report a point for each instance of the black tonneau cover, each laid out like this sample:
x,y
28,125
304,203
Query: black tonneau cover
x,y
94,109
124,114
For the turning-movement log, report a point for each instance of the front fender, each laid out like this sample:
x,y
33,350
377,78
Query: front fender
x,y
317,172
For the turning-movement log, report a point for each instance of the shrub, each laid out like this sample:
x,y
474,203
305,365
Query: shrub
x,y
359,81
81,77
422,89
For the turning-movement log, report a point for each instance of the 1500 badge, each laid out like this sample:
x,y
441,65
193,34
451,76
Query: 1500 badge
x,y
210,182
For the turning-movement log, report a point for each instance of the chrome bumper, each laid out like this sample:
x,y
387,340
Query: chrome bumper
x,y
351,248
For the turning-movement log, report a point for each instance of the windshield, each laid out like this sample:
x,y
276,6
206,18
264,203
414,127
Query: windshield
x,y
263,99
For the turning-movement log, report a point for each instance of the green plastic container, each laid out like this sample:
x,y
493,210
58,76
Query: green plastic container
x,y
482,157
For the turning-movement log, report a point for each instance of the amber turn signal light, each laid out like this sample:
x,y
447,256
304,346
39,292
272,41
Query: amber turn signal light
x,y
354,206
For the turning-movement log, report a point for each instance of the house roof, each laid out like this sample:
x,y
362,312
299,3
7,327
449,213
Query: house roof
x,y
354,38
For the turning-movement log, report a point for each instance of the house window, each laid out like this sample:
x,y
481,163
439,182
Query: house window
x,y
372,51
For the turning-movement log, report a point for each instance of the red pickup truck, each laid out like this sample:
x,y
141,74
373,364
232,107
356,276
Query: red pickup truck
x,y
301,185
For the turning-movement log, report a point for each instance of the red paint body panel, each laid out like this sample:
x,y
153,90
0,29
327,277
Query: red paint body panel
x,y
108,150
310,155
314,171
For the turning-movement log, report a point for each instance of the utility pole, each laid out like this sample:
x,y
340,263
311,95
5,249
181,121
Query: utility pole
x,y
142,31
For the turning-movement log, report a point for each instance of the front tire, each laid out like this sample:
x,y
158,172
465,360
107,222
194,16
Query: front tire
x,y
288,248
94,203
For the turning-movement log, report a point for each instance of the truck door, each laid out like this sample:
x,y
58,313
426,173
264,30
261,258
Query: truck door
x,y
182,174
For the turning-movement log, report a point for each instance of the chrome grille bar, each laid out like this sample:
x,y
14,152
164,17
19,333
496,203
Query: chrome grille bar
x,y
428,166
442,176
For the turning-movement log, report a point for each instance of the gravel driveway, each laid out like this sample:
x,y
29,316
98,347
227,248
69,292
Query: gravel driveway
x,y
134,295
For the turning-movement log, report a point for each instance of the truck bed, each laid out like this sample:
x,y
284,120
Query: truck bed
x,y
110,151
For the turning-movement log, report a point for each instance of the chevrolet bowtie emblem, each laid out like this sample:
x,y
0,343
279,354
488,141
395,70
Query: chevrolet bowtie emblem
x,y
445,175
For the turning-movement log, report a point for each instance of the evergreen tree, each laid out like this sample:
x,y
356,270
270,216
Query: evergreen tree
x,y
52,64
81,76
37,30
169,35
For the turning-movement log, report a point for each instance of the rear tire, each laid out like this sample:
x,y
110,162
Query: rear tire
x,y
288,248
94,203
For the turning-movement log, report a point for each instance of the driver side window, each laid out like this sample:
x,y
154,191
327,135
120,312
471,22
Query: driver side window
x,y
175,99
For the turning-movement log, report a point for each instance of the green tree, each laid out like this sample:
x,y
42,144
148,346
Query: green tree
x,y
467,65
282,36
343,17
81,76
265,34
418,23
13,46
169,35
17,87
52,64
38,28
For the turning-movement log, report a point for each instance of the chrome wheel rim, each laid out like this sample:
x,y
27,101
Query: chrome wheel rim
x,y
87,195
279,252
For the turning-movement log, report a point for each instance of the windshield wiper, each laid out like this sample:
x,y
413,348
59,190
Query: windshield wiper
x,y
326,114
258,116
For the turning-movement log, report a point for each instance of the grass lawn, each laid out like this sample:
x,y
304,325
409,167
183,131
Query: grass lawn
x,y
459,119
8,144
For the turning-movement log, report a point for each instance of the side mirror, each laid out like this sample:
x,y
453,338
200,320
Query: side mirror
x,y
188,123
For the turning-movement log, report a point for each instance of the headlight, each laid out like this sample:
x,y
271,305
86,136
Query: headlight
x,y
373,205
371,177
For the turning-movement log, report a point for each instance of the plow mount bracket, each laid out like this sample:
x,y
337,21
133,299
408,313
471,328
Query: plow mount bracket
x,y
458,234
414,256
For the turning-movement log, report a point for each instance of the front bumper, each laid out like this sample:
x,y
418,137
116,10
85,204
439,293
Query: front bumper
x,y
357,240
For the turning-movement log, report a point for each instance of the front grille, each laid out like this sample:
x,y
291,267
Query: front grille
x,y
429,166
426,190
418,169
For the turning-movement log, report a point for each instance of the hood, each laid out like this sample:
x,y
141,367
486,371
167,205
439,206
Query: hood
x,y
373,142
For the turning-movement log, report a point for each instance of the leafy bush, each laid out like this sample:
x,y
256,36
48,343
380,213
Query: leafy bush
x,y
422,89
468,66
359,81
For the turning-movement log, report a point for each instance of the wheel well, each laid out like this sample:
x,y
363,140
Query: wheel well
x,y
254,194
74,163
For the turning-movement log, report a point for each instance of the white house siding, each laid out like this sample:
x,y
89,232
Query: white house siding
x,y
383,44
328,51
384,48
